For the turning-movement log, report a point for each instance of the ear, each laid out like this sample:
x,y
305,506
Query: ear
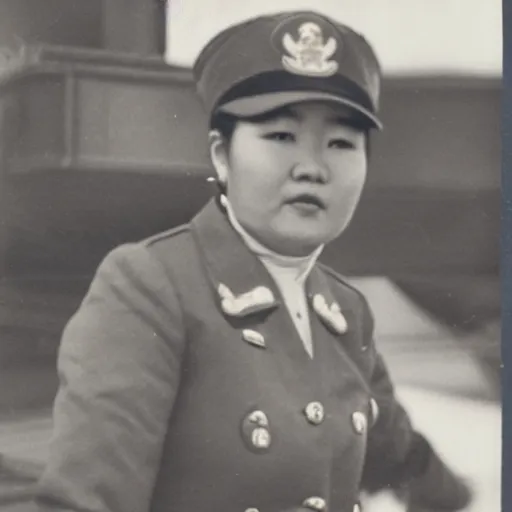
x,y
219,155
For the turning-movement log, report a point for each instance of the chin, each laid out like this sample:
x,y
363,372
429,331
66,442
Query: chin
x,y
299,239
302,245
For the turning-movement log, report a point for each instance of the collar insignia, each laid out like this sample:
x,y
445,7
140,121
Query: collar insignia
x,y
254,338
309,55
258,298
332,314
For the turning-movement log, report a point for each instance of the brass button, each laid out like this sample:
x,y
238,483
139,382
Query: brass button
x,y
374,407
256,431
315,413
359,422
260,438
259,418
315,503
254,338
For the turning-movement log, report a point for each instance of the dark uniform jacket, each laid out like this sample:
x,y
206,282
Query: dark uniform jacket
x,y
185,387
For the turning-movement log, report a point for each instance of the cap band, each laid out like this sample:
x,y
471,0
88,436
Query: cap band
x,y
253,106
279,81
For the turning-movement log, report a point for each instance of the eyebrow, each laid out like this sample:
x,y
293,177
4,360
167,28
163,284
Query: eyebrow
x,y
283,113
275,115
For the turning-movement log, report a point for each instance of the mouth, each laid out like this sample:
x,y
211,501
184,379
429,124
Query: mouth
x,y
307,200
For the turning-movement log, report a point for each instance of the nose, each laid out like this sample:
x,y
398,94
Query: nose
x,y
313,171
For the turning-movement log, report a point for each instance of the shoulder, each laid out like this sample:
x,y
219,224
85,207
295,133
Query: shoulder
x,y
152,251
147,263
174,248
138,279
166,238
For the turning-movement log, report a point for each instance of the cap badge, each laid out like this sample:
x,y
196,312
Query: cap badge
x,y
309,55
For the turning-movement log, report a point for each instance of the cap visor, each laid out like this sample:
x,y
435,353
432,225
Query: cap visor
x,y
262,103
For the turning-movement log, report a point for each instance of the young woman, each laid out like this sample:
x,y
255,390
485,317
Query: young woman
x,y
219,366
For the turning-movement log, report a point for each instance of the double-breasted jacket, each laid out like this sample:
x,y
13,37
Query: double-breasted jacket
x,y
185,387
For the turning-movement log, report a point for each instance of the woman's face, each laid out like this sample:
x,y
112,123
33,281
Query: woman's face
x,y
294,179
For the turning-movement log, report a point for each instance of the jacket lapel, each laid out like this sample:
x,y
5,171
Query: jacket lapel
x,y
242,287
323,303
336,332
241,283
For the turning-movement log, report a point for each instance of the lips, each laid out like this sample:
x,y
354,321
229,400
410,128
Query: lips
x,y
309,199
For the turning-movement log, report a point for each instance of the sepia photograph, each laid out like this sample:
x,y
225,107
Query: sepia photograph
x,y
250,256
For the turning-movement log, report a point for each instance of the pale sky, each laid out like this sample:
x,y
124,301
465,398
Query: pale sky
x,y
410,36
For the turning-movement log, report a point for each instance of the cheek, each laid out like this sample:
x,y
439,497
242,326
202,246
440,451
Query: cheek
x,y
257,172
348,182
349,174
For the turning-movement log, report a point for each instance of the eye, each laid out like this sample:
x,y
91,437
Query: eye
x,y
341,144
280,136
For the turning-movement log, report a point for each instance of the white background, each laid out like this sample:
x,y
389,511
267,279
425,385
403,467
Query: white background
x,y
410,36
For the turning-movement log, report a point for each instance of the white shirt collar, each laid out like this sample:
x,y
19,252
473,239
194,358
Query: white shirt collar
x,y
300,266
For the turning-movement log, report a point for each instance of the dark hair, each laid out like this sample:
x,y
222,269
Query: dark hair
x,y
225,124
